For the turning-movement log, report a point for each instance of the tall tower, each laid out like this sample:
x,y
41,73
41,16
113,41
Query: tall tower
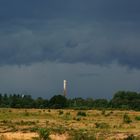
x,y
65,88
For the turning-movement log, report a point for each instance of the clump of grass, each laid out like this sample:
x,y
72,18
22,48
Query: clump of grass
x,y
132,137
13,128
78,118
67,116
68,113
126,119
82,135
81,113
108,114
25,122
10,110
37,121
6,121
59,129
26,113
43,134
61,112
102,125
103,112
137,118
33,129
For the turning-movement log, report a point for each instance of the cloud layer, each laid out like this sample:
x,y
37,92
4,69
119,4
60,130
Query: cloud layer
x,y
71,42
94,32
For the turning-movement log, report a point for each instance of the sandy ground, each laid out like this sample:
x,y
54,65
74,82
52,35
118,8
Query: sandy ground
x,y
18,136
29,136
59,137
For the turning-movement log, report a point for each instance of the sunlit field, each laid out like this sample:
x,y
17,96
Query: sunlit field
x,y
33,124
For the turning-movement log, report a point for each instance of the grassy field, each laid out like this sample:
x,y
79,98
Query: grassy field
x,y
33,124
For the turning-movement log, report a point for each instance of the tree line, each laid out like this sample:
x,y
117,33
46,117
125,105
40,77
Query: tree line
x,y
121,100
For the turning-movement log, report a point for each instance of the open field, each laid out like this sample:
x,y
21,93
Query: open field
x,y
24,124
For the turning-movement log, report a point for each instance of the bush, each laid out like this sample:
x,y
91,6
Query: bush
x,y
83,136
102,125
131,137
126,118
60,112
103,112
33,129
59,129
80,113
78,118
67,113
26,113
137,118
43,134
67,116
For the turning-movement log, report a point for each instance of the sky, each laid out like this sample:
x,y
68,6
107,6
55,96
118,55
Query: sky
x,y
93,44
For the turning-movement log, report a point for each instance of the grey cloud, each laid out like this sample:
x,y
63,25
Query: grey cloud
x,y
72,42
88,74
74,9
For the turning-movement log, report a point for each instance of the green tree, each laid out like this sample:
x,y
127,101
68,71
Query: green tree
x,y
101,103
58,101
126,100
40,103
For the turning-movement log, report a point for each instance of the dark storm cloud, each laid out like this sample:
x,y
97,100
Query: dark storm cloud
x,y
93,32
71,43
88,74
100,9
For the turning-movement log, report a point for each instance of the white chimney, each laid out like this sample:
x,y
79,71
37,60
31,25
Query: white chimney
x,y
65,87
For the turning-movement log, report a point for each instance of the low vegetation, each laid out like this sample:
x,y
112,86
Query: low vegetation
x,y
71,124
126,118
43,134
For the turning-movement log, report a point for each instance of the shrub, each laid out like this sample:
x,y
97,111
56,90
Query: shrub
x,y
10,110
43,134
78,118
126,118
6,121
49,110
81,113
83,136
60,112
33,129
103,112
59,129
26,113
67,116
102,125
131,137
137,118
67,113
